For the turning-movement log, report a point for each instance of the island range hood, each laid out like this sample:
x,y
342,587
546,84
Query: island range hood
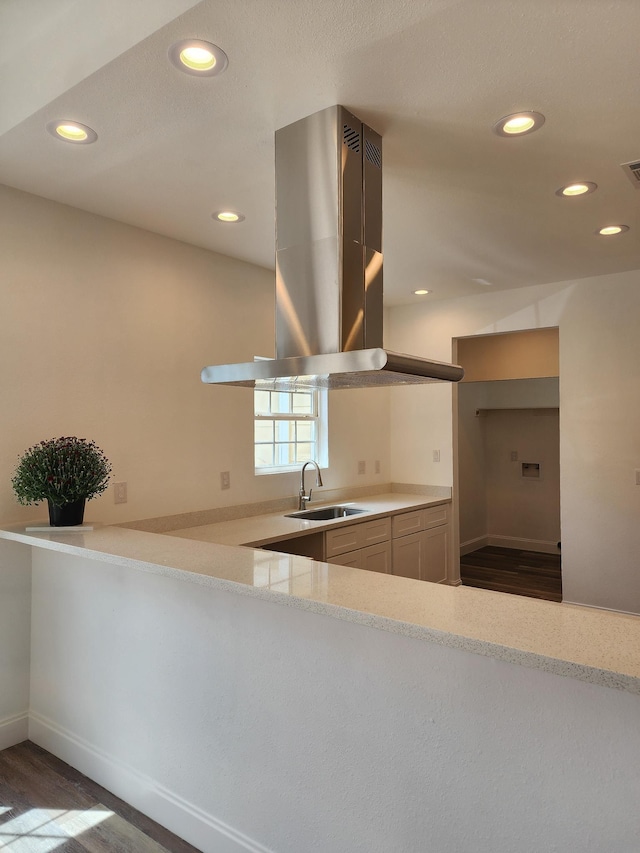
x,y
329,267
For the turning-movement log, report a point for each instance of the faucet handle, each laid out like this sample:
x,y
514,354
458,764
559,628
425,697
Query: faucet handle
x,y
308,497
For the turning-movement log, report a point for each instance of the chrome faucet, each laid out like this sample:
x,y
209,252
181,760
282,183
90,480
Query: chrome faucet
x,y
304,498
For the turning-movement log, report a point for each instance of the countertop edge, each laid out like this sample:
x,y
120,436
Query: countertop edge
x,y
605,677
228,532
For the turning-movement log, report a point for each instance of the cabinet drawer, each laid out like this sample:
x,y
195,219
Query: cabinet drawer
x,y
406,523
374,532
434,516
354,536
343,539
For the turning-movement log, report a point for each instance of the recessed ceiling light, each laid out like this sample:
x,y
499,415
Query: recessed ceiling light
x,y
580,188
421,292
228,216
200,58
517,124
72,131
610,230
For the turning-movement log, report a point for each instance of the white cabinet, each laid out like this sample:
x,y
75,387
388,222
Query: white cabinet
x,y
407,522
423,551
351,558
375,558
363,545
414,544
437,549
342,540
408,555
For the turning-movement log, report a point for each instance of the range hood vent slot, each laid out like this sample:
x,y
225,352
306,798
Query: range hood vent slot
x,y
373,153
351,138
329,308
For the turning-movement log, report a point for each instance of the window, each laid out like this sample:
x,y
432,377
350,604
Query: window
x,y
290,428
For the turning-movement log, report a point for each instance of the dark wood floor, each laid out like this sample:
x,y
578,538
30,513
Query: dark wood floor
x,y
510,570
45,805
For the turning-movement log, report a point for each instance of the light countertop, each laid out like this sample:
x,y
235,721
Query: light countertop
x,y
592,645
258,530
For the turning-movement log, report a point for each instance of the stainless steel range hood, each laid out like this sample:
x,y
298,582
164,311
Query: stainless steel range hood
x,y
329,266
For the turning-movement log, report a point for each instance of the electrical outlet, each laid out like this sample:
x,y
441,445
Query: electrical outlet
x,y
119,493
362,467
225,479
637,476
377,466
436,455
514,455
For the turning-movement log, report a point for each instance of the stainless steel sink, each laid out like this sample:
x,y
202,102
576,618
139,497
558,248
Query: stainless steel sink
x,y
325,513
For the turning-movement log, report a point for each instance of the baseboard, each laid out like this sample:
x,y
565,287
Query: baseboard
x,y
189,822
14,730
540,545
599,607
473,545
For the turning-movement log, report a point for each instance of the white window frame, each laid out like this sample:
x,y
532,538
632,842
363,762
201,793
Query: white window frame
x,y
319,417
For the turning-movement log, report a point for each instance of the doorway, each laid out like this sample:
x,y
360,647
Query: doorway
x,y
506,463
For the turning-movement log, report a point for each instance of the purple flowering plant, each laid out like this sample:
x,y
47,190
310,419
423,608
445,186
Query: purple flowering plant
x,y
61,470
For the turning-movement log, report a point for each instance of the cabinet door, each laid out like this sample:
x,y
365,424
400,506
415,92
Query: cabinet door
x,y
436,554
408,555
353,559
376,558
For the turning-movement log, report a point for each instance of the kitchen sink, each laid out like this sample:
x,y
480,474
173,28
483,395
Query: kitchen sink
x,y
325,513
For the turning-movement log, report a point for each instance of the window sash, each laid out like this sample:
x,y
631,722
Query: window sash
x,y
295,436
285,404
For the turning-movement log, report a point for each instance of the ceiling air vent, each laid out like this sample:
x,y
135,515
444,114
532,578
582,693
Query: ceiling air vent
x,y
632,171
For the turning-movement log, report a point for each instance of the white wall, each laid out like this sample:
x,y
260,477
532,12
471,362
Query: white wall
x,y
246,725
358,432
599,416
521,511
494,500
15,639
103,332
472,466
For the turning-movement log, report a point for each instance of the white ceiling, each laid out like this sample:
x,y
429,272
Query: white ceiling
x,y
460,203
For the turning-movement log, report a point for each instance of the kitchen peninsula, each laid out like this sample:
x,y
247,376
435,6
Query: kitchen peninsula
x,y
254,700
407,535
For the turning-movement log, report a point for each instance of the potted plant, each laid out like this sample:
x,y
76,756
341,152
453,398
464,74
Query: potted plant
x,y
65,472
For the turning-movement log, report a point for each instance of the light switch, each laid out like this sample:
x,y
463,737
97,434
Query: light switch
x,y
225,480
436,455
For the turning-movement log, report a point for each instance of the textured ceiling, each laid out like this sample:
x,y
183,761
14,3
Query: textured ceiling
x,y
460,203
